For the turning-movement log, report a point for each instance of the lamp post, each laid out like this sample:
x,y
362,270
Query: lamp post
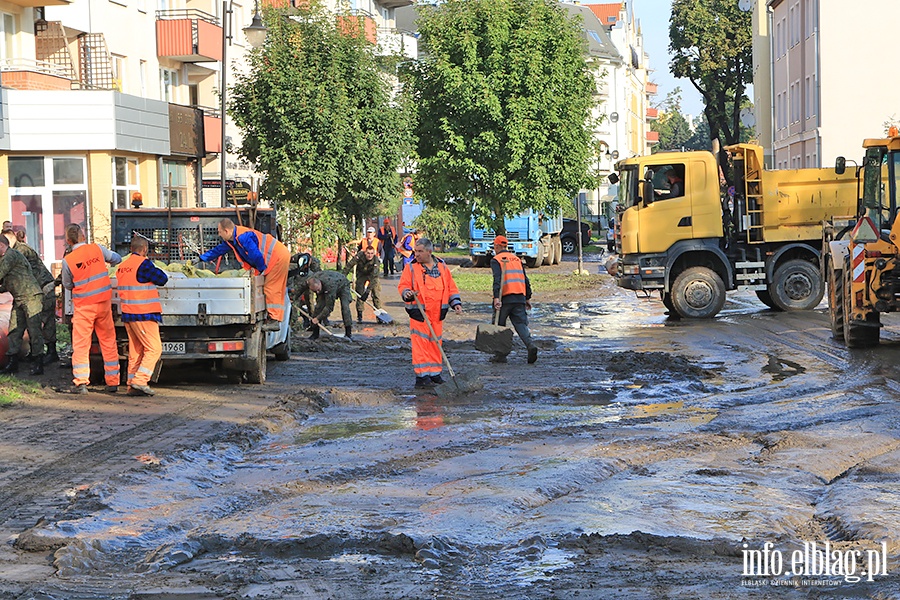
x,y
256,35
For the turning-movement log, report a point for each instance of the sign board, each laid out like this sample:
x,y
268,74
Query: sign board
x,y
186,131
238,193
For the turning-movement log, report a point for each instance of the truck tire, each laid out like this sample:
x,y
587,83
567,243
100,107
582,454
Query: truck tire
x,y
856,334
835,300
258,373
549,250
533,263
766,299
559,251
797,285
698,293
480,261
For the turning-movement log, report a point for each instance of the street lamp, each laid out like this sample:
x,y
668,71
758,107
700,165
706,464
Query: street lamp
x,y
256,35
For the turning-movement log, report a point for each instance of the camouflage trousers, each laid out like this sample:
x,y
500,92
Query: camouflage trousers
x,y
48,318
374,292
26,314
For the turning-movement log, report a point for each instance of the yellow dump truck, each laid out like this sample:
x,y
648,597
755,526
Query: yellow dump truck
x,y
860,254
681,235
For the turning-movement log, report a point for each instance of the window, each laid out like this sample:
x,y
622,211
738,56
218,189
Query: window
x,y
173,185
168,79
8,24
125,180
143,74
808,96
118,71
668,181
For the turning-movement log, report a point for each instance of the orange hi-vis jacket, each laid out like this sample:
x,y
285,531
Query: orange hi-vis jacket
x,y
401,245
136,298
89,275
374,243
267,245
512,279
415,279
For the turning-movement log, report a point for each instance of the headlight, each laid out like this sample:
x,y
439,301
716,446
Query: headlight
x,y
630,269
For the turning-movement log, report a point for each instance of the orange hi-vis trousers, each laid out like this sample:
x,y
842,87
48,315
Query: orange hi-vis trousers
x,y
89,319
276,282
426,351
144,350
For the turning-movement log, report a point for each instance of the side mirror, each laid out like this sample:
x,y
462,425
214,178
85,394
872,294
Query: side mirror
x,y
840,165
647,192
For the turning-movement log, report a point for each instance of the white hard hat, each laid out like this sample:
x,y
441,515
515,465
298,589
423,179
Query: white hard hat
x,y
370,230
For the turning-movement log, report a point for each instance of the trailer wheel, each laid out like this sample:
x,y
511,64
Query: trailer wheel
x,y
766,298
698,293
856,334
797,285
258,373
835,300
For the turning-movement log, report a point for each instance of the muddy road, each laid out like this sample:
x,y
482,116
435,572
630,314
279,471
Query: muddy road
x,y
641,457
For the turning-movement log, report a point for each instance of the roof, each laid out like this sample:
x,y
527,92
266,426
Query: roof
x,y
595,33
608,14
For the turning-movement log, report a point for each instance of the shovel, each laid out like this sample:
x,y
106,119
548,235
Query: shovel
x,y
381,315
444,389
321,327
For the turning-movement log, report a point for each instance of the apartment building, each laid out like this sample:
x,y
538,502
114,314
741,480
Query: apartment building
x,y
827,87
105,99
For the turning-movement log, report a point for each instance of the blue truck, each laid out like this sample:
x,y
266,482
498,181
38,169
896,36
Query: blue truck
x,y
532,235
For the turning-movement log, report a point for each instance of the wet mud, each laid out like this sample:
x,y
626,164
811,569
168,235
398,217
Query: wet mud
x,y
641,457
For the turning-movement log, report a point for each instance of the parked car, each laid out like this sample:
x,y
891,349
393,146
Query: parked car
x,y
569,235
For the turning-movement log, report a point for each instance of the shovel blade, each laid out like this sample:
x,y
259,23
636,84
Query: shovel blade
x,y
383,317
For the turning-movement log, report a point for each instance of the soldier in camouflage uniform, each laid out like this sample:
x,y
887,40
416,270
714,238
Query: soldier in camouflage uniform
x,y
329,286
302,266
48,286
367,264
16,278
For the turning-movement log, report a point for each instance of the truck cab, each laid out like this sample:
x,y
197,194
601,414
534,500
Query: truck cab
x,y
534,237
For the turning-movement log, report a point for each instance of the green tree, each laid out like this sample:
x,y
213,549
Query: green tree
x,y
442,226
316,115
503,96
711,45
674,130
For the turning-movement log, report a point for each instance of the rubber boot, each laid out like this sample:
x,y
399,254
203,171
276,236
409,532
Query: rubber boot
x,y
347,332
51,355
315,332
359,317
37,368
12,366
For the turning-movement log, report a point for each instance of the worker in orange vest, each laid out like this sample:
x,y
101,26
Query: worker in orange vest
x,y
261,253
84,272
407,245
370,241
426,283
388,241
136,281
512,295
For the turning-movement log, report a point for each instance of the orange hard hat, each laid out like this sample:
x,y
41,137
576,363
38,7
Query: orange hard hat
x,y
500,240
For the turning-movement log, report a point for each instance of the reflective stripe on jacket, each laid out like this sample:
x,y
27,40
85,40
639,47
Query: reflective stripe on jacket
x,y
512,279
374,243
89,275
136,298
415,279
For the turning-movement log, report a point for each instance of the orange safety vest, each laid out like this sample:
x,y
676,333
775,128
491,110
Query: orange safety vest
x,y
365,243
89,274
412,279
266,245
137,298
512,274
413,238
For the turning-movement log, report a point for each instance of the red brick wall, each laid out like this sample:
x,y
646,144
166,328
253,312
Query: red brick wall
x,y
29,80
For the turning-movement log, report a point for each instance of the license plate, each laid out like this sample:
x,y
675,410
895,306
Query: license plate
x,y
173,347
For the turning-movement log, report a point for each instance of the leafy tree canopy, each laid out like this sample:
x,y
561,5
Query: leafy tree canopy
x,y
711,45
502,94
673,128
316,114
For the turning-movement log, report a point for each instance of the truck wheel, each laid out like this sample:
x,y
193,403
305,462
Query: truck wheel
x,y
548,249
258,373
283,350
766,299
856,334
797,285
559,251
479,261
835,300
698,293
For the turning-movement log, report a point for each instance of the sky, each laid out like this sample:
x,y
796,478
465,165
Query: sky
x,y
654,17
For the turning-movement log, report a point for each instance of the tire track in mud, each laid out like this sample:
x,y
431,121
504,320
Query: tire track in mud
x,y
25,499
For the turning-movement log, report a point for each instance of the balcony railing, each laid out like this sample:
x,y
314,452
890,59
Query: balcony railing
x,y
188,35
652,137
652,113
391,42
651,89
359,21
28,74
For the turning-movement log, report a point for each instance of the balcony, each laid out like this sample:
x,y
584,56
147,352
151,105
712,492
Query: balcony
x,y
26,74
36,3
359,23
651,89
652,114
188,36
395,3
212,130
393,43
652,137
